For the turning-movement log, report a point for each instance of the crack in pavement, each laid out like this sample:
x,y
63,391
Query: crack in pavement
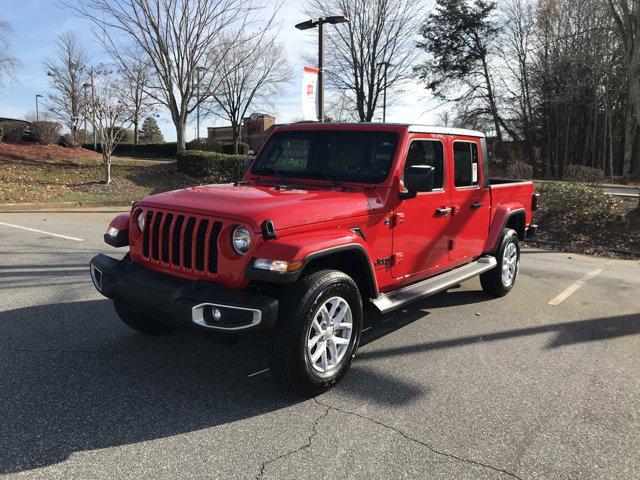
x,y
418,441
307,444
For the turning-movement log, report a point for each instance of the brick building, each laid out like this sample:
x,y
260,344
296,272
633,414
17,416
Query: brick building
x,y
255,130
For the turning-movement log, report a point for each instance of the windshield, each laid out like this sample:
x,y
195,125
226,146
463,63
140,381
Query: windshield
x,y
351,156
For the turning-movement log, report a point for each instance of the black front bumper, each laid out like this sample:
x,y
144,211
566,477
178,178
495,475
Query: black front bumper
x,y
199,304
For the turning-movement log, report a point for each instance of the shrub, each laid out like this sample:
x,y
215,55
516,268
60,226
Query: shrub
x,y
46,132
1,132
574,207
228,148
13,131
581,173
519,170
68,141
222,168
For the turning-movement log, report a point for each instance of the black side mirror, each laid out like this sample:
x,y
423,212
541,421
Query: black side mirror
x,y
418,178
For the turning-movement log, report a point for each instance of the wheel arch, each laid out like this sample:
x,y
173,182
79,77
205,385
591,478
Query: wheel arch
x,y
512,216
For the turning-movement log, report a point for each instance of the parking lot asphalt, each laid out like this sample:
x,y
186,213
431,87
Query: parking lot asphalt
x,y
457,386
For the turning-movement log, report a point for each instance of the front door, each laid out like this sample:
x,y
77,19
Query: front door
x,y
421,231
469,203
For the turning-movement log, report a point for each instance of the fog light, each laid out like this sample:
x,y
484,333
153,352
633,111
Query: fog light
x,y
278,266
211,315
216,314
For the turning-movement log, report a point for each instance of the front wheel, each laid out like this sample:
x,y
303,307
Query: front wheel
x,y
318,331
500,280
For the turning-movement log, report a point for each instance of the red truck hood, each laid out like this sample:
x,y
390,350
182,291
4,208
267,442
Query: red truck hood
x,y
285,208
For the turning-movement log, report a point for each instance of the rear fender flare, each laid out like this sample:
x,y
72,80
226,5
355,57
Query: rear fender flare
x,y
505,214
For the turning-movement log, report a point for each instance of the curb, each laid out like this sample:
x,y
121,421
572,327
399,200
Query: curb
x,y
31,207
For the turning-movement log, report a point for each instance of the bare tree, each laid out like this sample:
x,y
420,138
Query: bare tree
x,y
176,37
626,14
379,32
7,61
138,73
113,111
67,72
252,73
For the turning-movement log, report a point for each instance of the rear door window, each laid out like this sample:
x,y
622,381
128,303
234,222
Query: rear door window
x,y
465,163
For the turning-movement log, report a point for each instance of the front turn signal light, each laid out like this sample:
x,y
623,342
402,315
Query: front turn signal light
x,y
278,266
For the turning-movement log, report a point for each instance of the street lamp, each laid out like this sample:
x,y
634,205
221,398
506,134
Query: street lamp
x,y
386,65
38,108
199,71
334,19
93,108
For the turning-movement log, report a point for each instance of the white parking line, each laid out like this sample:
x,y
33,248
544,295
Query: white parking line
x,y
577,284
43,232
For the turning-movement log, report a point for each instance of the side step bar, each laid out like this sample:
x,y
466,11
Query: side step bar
x,y
392,300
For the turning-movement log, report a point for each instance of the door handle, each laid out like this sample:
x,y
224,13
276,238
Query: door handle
x,y
476,205
443,211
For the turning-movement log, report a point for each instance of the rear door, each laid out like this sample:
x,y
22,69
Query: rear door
x,y
421,231
469,201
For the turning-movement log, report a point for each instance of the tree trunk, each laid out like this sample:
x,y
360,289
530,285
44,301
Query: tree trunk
x,y
494,113
135,129
235,132
181,144
628,137
106,162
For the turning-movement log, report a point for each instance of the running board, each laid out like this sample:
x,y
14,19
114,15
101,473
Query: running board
x,y
392,300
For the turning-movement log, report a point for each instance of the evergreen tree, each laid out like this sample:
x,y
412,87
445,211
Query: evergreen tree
x,y
150,132
458,37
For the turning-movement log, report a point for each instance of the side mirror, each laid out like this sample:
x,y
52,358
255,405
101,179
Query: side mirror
x,y
251,153
418,178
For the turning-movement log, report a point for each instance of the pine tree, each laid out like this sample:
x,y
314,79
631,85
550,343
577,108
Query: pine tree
x,y
150,132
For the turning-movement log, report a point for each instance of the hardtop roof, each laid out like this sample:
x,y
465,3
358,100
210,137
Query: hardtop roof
x,y
412,128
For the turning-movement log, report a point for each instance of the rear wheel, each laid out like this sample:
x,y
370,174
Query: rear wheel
x,y
500,280
318,331
141,323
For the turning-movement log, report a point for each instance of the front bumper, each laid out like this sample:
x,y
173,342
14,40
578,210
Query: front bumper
x,y
200,304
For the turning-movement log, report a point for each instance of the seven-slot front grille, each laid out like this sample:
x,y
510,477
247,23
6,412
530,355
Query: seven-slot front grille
x,y
181,242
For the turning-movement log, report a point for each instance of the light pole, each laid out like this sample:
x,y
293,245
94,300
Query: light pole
x,y
386,65
93,109
334,19
38,108
199,71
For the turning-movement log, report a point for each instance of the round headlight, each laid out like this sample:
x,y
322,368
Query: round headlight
x,y
240,240
141,218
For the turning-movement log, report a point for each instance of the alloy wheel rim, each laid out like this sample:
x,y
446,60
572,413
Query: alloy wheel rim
x,y
509,264
329,334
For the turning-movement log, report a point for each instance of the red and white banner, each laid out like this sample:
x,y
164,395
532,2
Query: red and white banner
x,y
309,93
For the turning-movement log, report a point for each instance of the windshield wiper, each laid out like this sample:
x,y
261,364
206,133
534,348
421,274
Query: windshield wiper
x,y
279,174
329,178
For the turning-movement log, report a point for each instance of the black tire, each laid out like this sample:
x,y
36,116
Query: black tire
x,y
492,281
299,304
141,323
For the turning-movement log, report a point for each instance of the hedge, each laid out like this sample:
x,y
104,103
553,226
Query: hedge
x,y
220,147
221,167
129,149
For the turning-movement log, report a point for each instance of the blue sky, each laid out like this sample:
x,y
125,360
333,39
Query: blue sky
x,y
36,23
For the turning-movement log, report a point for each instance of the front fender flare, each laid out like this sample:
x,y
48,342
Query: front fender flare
x,y
307,247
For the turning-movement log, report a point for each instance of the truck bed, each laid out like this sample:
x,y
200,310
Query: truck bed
x,y
505,191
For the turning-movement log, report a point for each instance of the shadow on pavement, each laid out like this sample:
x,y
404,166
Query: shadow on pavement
x,y
76,379
568,333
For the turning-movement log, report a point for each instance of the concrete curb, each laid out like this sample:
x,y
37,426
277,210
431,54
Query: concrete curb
x,y
31,207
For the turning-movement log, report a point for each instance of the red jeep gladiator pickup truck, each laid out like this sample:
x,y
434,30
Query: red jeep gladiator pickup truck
x,y
328,218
